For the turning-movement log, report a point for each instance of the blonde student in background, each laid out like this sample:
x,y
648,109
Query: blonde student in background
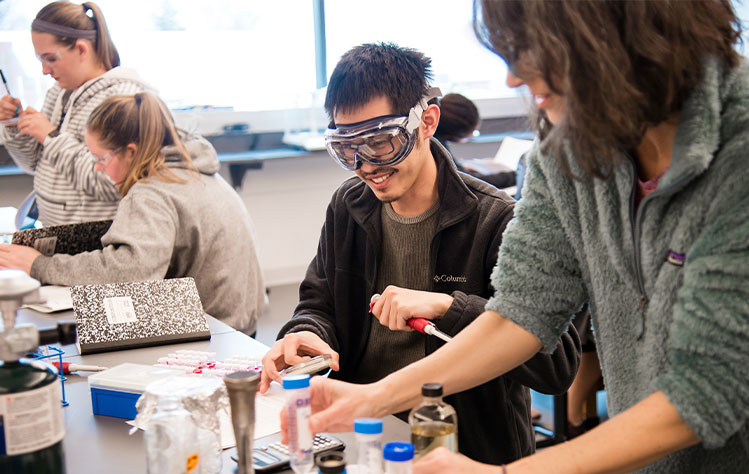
x,y
74,47
177,218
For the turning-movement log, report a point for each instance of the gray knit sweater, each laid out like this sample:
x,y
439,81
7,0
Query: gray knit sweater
x,y
662,321
67,186
199,228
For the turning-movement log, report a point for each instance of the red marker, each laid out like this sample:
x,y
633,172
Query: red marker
x,y
68,367
422,325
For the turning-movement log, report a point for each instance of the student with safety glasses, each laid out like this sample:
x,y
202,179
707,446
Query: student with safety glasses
x,y
425,237
636,202
73,45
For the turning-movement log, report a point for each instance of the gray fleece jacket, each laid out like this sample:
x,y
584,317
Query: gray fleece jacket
x,y
68,187
199,228
668,282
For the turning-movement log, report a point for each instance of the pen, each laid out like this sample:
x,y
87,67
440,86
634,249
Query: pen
x,y
422,325
5,83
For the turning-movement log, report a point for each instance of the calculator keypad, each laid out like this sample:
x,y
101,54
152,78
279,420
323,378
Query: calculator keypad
x,y
319,443
271,455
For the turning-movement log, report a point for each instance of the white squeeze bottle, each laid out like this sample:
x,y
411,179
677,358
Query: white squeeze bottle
x,y
368,437
297,416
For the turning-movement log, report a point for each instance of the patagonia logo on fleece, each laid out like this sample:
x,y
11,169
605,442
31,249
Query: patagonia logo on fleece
x,y
676,259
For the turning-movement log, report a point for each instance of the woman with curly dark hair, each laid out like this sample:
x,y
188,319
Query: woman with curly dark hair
x,y
636,202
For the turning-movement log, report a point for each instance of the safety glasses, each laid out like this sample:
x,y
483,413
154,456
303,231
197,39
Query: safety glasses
x,y
381,141
104,159
50,59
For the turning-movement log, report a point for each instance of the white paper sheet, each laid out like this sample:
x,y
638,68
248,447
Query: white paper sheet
x,y
55,298
267,416
511,150
7,221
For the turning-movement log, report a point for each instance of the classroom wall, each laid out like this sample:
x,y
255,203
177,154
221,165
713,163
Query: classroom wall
x,y
287,200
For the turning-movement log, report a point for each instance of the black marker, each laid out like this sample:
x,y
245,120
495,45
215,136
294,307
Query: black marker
x,y
5,83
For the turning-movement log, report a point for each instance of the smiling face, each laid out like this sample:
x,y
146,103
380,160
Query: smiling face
x,y
405,184
524,74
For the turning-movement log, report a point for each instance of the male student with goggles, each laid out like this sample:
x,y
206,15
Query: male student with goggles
x,y
381,141
412,229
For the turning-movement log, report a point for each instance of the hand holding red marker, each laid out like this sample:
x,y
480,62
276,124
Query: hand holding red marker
x,y
422,325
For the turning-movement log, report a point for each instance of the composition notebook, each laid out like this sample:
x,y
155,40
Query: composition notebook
x,y
119,316
66,238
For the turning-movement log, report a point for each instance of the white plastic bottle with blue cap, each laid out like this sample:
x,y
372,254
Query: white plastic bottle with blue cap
x,y
368,432
398,457
297,417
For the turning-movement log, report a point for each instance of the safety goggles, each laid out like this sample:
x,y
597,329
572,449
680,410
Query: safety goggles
x,y
381,141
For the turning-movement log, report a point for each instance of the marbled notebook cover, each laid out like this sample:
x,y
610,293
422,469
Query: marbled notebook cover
x,y
136,314
67,238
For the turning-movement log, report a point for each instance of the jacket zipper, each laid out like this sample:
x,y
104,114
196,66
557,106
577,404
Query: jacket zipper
x,y
635,220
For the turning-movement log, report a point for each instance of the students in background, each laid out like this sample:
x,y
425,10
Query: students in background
x,y
635,201
459,118
411,228
73,44
177,217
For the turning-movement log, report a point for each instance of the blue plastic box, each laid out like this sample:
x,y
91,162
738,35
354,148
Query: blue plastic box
x,y
114,391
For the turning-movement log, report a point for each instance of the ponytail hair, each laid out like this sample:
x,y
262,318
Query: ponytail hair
x,y
143,120
70,22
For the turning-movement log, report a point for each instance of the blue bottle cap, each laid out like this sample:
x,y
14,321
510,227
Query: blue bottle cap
x,y
296,381
368,426
398,451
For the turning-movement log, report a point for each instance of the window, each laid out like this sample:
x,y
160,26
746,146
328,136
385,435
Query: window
x,y
249,55
260,56
441,29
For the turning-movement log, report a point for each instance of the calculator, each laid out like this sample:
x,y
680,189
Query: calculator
x,y
269,454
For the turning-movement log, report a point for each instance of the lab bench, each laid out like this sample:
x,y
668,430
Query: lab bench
x,y
93,444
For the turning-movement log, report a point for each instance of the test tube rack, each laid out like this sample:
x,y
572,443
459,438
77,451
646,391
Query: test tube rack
x,y
54,352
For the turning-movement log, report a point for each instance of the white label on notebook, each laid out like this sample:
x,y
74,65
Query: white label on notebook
x,y
46,245
119,310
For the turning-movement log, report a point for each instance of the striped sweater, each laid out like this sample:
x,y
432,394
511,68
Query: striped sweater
x,y
68,188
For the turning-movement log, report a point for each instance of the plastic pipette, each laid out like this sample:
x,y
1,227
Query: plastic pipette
x,y
422,325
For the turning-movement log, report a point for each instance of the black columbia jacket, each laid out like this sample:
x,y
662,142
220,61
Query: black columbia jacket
x,y
494,424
